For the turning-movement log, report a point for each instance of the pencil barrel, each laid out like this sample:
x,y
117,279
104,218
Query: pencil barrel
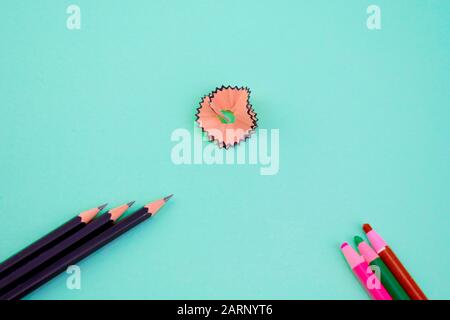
x,y
378,292
76,255
389,282
401,274
54,253
33,250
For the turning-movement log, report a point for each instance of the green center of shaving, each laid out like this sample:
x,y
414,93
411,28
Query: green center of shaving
x,y
228,116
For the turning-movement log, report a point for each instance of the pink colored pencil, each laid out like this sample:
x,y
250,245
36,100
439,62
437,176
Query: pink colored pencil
x,y
364,274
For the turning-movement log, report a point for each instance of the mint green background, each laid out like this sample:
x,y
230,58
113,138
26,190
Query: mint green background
x,y
86,117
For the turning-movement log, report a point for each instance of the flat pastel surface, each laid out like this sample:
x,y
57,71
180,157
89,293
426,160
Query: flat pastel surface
x,y
87,117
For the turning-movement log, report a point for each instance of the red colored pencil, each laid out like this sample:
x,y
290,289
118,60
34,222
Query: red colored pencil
x,y
395,266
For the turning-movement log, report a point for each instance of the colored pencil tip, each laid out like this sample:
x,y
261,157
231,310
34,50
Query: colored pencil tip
x,y
168,197
344,245
367,228
358,240
129,204
102,206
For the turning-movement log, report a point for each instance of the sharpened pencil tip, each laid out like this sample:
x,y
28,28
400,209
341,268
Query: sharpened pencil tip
x,y
129,204
168,197
102,206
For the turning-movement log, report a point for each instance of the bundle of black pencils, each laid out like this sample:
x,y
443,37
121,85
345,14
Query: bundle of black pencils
x,y
66,245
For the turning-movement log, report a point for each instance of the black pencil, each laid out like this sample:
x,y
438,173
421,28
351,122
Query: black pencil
x,y
44,243
84,250
39,262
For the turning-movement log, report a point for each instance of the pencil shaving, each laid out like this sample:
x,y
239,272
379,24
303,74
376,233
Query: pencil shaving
x,y
226,116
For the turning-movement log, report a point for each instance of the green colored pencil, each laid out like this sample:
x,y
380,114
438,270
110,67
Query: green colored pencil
x,y
386,277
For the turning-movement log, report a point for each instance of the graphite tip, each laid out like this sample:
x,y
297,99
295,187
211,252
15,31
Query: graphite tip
x,y
102,206
129,204
168,197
